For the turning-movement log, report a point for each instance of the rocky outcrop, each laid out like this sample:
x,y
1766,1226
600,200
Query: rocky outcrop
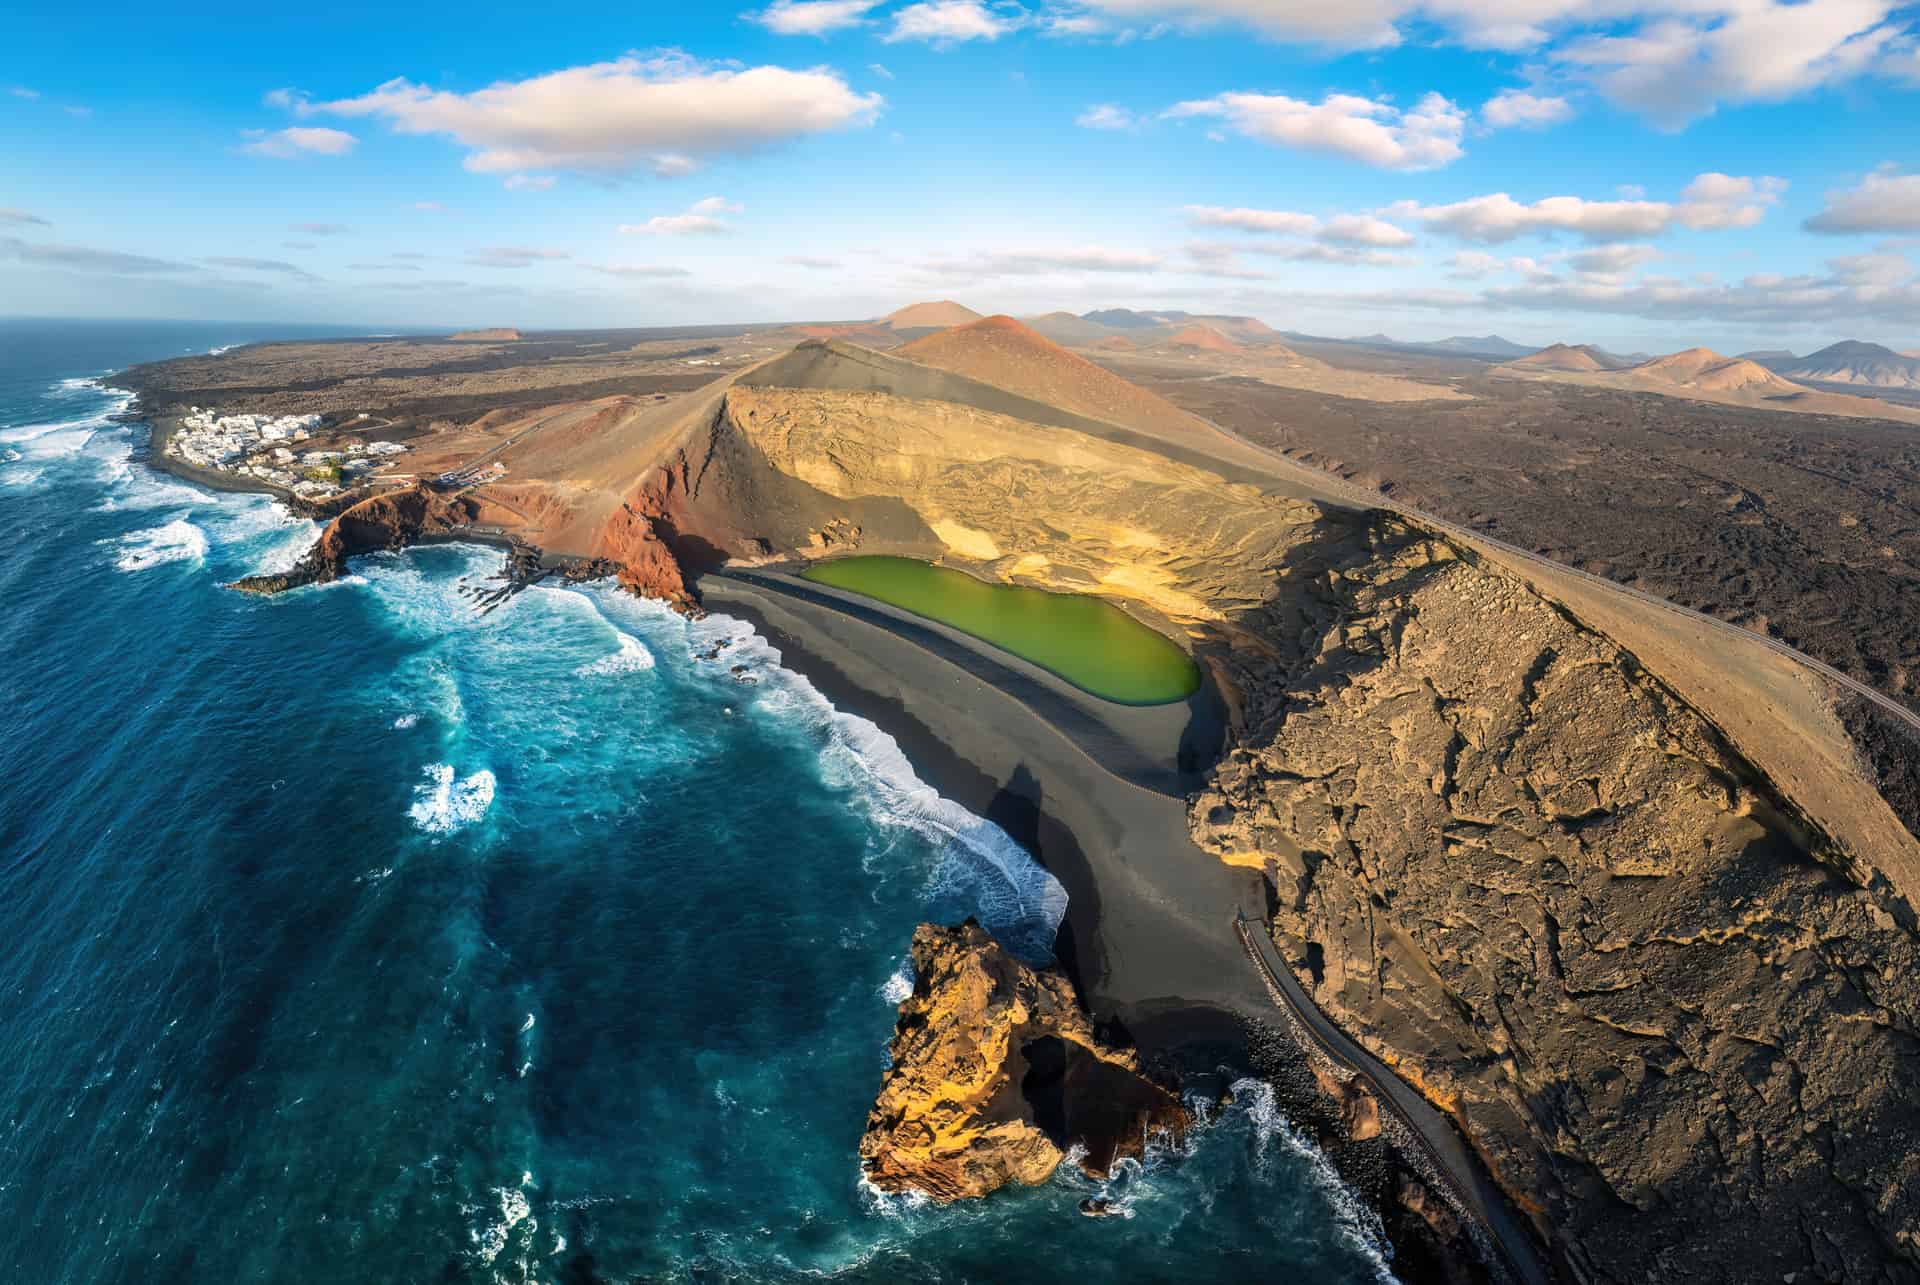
x,y
997,1075
1522,872
391,520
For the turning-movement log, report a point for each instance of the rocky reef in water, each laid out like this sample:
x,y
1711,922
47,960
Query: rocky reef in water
x,y
997,1076
391,520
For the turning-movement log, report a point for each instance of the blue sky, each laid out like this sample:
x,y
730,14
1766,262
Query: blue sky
x,y
1736,172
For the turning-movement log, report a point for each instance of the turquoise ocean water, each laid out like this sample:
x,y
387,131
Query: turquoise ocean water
x,y
353,936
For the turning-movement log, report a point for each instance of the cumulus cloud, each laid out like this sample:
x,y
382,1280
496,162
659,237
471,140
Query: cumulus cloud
x,y
663,113
1281,221
528,182
1611,260
513,256
1885,201
1517,109
818,262
1670,60
298,140
948,22
1039,262
1710,201
1364,229
1372,131
86,259
813,17
20,218
699,219
1106,116
1675,68
1471,265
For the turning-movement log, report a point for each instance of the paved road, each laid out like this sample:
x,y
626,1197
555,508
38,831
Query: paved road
x,y
1374,499
1436,1134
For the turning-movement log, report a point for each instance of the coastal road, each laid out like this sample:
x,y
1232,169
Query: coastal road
x,y
1368,498
1436,1135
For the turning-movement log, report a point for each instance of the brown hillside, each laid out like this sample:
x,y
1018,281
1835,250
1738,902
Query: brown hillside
x,y
1117,343
940,312
1706,369
1002,352
1561,357
859,332
1206,337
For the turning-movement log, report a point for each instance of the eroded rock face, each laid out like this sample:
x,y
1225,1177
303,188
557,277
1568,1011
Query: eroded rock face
x,y
391,520
996,1074
1521,871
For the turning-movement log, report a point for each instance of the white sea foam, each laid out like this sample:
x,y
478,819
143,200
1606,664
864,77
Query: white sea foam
x,y
889,1204
445,804
898,987
632,658
1358,1224
406,721
491,1238
175,541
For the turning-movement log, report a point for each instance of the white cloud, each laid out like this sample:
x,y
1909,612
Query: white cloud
x,y
20,218
1710,201
21,91
653,271
664,112
1364,229
279,266
513,256
1347,255
298,140
1470,265
1285,222
1670,60
1106,116
700,219
1514,108
1036,262
1885,201
948,22
812,17
1727,201
818,262
879,71
1611,260
1368,130
529,182
1677,67
88,259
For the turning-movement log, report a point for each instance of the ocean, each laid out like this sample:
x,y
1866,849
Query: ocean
x,y
355,936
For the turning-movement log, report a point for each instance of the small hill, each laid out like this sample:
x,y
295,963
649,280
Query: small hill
x,y
1128,319
1853,362
860,332
1707,370
1564,357
1206,337
1477,345
498,334
939,314
1002,352
1065,328
1117,343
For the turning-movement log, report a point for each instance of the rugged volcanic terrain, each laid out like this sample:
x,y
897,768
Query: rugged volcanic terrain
x,y
996,1075
1633,917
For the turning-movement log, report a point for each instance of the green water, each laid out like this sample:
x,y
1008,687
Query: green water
x,y
1092,644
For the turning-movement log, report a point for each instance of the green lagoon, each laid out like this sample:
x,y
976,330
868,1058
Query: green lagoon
x,y
1090,643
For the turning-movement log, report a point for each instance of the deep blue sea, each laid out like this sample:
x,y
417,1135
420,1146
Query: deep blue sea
x,y
354,936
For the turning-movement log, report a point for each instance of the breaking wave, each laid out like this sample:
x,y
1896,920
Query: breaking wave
x,y
176,541
444,804
632,658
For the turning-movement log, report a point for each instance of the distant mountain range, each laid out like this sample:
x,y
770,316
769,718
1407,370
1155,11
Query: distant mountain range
x,y
1851,362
